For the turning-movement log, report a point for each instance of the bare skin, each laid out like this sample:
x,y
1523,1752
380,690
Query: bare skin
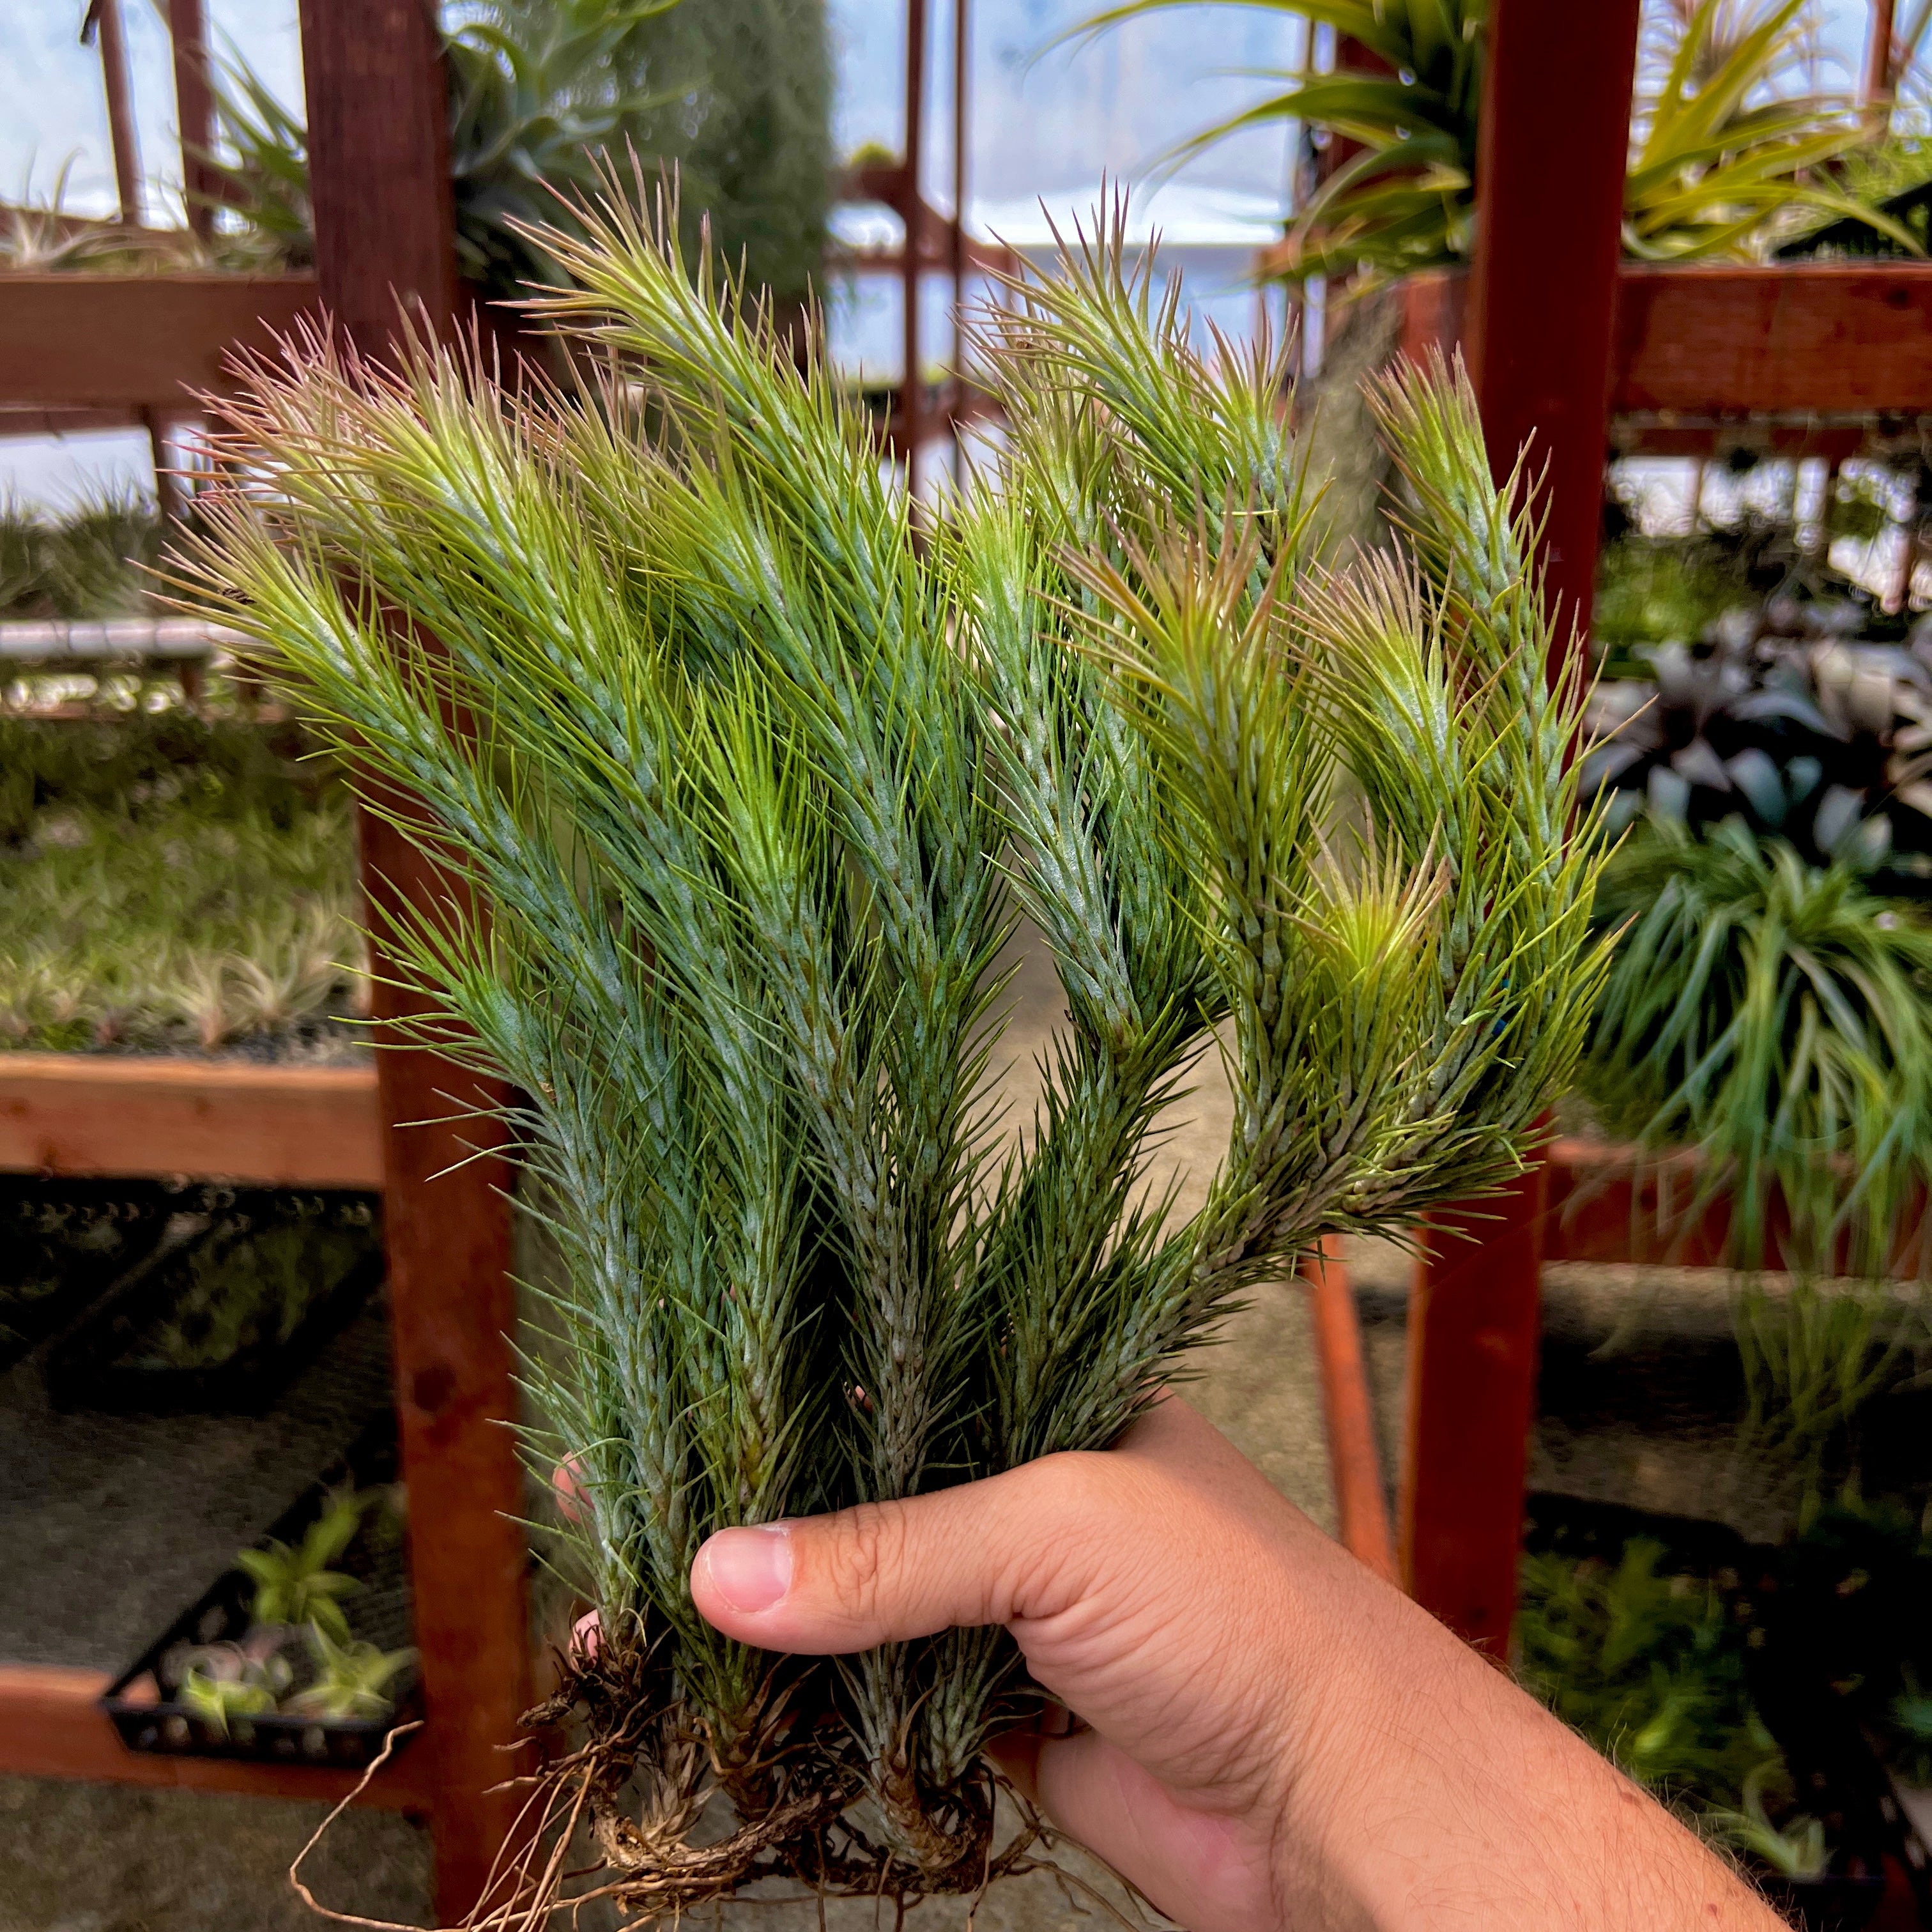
x,y
1275,1737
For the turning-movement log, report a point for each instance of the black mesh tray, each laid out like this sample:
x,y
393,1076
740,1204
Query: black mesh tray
x,y
111,1358
64,1243
149,1719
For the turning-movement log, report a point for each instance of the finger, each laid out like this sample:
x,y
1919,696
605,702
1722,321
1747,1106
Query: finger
x,y
566,1481
1023,1544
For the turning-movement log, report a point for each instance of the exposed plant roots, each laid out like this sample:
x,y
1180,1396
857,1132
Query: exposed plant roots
x,y
639,1784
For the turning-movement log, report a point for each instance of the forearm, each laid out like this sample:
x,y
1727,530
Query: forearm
x,y
1436,1794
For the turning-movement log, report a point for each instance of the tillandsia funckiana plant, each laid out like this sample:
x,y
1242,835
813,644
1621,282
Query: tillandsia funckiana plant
x,y
1645,1661
296,1585
758,767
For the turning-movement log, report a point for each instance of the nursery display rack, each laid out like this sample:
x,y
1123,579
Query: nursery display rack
x,y
1558,335
1561,336
85,351
96,348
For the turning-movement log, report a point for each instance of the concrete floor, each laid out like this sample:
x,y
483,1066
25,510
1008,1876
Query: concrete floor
x,y
1638,1408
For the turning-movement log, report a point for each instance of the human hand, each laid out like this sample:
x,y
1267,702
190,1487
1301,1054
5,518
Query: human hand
x,y
1275,1737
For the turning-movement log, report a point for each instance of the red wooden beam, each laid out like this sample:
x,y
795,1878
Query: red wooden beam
x,y
378,137
1827,338
1619,1204
1557,81
52,1725
139,1114
1817,342
131,342
1348,1409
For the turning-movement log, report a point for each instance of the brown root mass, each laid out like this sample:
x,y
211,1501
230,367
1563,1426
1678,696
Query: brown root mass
x,y
639,1782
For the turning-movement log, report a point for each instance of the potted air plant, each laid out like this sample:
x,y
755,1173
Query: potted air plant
x,y
762,769
284,1657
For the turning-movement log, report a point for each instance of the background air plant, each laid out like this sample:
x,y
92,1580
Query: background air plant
x,y
734,93
173,880
1726,158
1772,1014
753,786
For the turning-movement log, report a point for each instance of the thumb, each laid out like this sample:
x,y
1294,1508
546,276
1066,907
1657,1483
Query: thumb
x,y
990,1552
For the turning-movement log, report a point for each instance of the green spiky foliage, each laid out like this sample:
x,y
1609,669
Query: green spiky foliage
x,y
172,881
90,562
734,94
1725,157
759,766
1772,1015
1649,1665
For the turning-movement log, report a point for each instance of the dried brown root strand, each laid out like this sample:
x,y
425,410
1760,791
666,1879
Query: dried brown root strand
x,y
649,1868
800,1779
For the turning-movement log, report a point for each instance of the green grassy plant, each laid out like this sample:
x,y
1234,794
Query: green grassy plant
x,y
296,1585
1649,1667
735,94
763,766
170,881
351,1681
246,1288
87,564
1774,1016
1722,163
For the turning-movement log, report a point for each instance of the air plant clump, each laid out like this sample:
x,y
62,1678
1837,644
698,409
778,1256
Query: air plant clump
x,y
1731,147
296,1657
1772,1015
88,563
753,769
172,881
1647,1662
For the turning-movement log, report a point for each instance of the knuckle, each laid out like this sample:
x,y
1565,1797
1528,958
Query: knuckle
x,y
865,1554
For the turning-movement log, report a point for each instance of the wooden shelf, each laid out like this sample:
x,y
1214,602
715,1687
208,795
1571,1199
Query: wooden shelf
x,y
1608,1203
1804,339
132,342
98,1114
52,1725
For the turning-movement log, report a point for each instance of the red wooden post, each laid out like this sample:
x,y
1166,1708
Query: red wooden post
x,y
378,139
1543,285
1875,86
1541,309
912,386
1469,1399
1355,1469
194,110
103,24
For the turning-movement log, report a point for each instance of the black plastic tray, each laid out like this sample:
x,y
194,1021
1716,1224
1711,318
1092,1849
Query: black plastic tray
x,y
379,1613
89,1365
88,1233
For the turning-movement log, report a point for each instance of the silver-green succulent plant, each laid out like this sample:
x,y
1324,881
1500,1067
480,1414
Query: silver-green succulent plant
x,y
754,766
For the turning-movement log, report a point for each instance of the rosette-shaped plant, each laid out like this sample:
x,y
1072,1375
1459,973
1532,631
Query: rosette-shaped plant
x,y
754,768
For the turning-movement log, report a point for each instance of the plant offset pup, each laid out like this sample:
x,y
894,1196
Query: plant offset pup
x,y
753,785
